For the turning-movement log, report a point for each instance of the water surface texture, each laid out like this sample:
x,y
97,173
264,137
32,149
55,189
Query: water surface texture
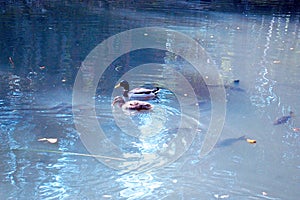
x,y
43,45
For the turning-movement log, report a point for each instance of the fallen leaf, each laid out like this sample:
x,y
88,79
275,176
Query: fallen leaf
x,y
251,141
118,68
264,193
11,62
107,196
50,140
276,61
224,196
296,129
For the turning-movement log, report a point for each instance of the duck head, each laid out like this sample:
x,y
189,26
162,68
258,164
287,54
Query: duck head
x,y
124,84
118,100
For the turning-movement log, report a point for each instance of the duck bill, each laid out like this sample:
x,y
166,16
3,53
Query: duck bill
x,y
118,85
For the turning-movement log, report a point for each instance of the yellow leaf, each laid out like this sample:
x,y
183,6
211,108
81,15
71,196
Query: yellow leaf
x,y
50,140
251,141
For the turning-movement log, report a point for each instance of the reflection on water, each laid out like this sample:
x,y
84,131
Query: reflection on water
x,y
138,185
40,56
264,86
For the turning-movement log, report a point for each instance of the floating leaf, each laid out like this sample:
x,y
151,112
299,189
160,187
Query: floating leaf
x,y
50,140
223,196
11,62
107,196
296,129
251,141
264,193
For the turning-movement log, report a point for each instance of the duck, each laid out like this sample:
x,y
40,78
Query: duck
x,y
142,94
131,105
284,119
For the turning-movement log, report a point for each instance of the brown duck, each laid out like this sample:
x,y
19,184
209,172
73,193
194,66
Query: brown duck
x,y
131,105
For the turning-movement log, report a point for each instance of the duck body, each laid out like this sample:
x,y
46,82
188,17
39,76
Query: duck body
x,y
141,94
284,119
131,105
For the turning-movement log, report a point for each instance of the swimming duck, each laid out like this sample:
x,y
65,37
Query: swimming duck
x,y
284,119
131,105
142,94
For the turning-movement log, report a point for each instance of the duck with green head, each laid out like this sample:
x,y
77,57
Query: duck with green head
x,y
142,94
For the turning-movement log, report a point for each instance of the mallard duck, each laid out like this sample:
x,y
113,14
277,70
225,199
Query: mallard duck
x,y
284,119
131,105
142,94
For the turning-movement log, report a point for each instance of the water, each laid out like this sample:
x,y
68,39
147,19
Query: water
x,y
41,52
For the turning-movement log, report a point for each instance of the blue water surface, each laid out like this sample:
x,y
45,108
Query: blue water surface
x,y
42,48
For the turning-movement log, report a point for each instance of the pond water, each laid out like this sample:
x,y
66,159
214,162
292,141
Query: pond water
x,y
42,51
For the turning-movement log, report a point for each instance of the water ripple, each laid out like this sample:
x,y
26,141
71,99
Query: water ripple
x,y
264,94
